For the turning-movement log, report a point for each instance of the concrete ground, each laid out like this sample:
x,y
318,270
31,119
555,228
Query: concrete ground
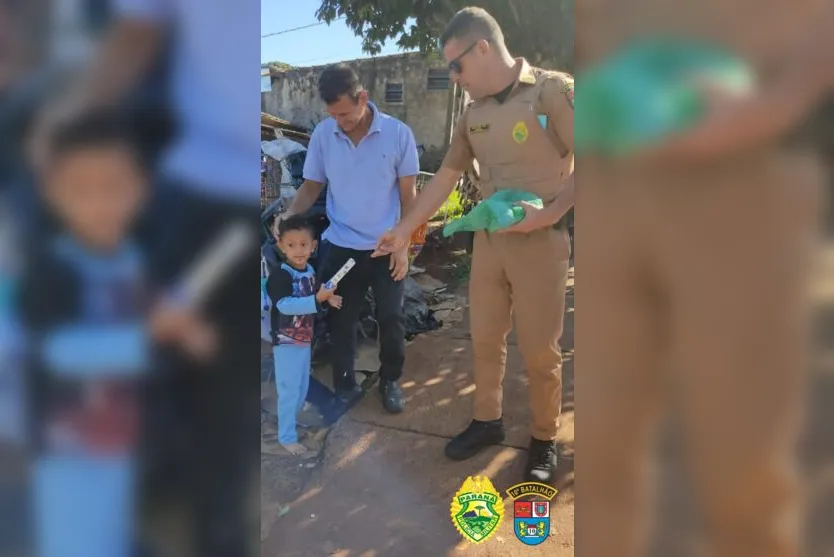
x,y
383,487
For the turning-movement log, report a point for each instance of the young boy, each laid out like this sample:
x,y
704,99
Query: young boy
x,y
292,290
85,305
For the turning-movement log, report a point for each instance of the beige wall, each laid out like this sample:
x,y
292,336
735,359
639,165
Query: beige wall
x,y
294,96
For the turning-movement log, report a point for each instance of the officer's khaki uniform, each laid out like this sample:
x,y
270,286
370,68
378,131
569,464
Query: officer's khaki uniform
x,y
519,274
693,276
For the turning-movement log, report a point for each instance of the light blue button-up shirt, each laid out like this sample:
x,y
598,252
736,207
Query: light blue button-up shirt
x,y
363,193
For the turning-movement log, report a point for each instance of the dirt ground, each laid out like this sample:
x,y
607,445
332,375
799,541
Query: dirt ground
x,y
382,487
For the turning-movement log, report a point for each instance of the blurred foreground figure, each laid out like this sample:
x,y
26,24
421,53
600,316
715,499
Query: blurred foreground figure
x,y
85,301
693,262
204,417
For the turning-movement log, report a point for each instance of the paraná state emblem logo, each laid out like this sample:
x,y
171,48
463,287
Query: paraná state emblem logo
x,y
477,509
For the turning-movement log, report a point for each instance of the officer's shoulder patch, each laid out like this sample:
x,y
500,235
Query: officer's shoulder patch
x,y
564,82
567,90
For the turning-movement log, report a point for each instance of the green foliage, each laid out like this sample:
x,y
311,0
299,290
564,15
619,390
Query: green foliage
x,y
279,65
452,208
539,30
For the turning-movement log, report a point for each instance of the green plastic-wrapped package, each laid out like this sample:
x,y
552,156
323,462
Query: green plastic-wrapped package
x,y
648,91
499,211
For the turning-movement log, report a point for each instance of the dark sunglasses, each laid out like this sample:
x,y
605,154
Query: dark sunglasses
x,y
455,65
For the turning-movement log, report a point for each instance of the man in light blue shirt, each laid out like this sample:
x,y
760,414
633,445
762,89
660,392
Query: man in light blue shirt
x,y
214,52
369,162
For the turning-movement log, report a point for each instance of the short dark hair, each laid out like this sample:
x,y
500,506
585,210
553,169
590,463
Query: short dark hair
x,y
97,129
295,222
475,23
337,80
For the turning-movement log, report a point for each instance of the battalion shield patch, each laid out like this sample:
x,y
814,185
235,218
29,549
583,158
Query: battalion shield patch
x,y
531,517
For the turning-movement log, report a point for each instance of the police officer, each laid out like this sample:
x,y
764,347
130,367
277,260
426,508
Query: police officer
x,y
518,132
698,250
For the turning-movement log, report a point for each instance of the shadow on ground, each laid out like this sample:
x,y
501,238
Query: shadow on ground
x,y
677,531
384,488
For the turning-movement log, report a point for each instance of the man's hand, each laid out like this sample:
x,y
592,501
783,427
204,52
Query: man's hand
x,y
534,219
737,121
724,116
276,222
335,301
392,241
399,264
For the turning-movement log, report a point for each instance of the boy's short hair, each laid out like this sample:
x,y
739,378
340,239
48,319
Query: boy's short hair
x,y
295,222
99,129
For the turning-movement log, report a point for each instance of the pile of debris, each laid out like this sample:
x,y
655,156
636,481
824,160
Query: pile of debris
x,y
428,304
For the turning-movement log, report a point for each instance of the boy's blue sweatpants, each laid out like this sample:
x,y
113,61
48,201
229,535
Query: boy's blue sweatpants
x,y
84,506
292,379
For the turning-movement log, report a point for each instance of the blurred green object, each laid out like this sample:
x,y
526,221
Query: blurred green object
x,y
648,91
500,210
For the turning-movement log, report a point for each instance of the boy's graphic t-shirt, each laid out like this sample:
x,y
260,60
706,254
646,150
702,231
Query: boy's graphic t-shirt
x,y
92,349
294,308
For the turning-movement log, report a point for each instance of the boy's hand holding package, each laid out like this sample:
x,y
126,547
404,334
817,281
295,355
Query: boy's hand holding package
x,y
173,324
325,294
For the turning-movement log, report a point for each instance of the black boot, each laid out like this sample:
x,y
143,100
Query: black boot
x,y
392,396
475,438
541,461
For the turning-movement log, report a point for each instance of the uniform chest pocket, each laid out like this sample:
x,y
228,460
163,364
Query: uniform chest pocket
x,y
497,133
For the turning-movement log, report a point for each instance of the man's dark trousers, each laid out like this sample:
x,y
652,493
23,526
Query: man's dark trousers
x,y
373,273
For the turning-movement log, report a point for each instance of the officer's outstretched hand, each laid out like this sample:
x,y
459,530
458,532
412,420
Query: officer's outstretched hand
x,y
534,218
392,241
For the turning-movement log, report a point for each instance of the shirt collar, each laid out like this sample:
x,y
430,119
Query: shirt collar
x,y
376,123
526,76
124,259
